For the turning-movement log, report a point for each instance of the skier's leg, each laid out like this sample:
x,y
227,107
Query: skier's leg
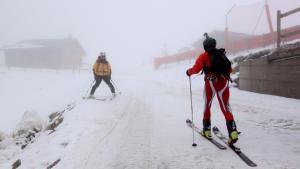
x,y
110,85
223,97
97,83
208,95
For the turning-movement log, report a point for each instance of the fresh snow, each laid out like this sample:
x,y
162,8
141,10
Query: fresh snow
x,y
144,127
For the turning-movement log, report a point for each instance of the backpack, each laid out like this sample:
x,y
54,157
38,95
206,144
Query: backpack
x,y
220,64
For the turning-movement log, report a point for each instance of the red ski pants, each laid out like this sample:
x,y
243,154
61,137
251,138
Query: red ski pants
x,y
220,88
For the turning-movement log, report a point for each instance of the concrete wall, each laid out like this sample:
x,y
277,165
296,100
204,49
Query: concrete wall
x,y
276,74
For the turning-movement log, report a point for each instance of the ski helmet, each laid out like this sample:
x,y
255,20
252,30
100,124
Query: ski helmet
x,y
102,55
209,43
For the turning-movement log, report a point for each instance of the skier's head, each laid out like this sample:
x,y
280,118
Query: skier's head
x,y
102,55
209,43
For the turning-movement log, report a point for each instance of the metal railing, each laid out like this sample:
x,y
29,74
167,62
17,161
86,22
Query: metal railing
x,y
282,15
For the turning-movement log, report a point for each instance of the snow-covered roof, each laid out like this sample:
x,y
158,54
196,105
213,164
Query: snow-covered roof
x,y
21,46
50,43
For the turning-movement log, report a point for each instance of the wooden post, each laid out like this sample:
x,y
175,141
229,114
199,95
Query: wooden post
x,y
278,28
290,12
282,15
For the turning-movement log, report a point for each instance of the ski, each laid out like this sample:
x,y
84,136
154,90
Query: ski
x,y
101,99
89,98
236,149
213,141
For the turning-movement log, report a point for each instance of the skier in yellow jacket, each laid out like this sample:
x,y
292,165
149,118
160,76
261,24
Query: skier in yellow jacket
x,y
102,70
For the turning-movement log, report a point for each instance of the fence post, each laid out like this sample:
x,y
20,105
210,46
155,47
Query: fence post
x,y
278,28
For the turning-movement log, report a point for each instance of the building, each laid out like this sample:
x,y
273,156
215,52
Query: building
x,y
45,53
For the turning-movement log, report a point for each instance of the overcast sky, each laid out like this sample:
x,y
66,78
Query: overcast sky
x,y
122,28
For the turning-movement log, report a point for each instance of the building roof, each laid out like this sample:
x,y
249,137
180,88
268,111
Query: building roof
x,y
47,43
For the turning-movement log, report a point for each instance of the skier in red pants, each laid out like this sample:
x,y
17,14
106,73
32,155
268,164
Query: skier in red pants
x,y
217,69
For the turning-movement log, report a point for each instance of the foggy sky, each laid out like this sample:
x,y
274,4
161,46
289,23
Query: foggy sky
x,y
122,28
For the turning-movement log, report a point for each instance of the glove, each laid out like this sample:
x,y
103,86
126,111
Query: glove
x,y
187,73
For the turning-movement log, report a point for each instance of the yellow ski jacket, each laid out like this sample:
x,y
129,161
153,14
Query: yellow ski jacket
x,y
102,68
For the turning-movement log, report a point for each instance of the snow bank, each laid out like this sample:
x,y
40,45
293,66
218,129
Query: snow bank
x,y
25,130
31,121
8,149
2,136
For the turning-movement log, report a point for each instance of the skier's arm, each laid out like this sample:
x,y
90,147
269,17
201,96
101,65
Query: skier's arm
x,y
94,70
198,66
109,70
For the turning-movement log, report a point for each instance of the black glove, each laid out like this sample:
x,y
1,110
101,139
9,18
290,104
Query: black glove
x,y
187,73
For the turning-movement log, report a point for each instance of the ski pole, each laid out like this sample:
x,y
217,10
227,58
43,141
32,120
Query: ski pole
x,y
115,86
194,144
91,85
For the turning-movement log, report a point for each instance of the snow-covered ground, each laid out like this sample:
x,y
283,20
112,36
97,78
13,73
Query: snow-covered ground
x,y
144,127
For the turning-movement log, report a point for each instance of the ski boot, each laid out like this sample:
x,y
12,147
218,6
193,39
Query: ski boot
x,y
233,133
206,132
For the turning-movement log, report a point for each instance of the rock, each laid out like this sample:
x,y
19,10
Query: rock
x,y
16,164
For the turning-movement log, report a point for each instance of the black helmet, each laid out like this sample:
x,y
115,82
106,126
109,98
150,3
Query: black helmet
x,y
102,55
209,43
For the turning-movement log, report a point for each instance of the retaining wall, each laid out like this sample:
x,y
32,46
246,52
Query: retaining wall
x,y
276,74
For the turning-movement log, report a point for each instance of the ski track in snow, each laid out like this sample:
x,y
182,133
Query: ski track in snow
x,y
126,142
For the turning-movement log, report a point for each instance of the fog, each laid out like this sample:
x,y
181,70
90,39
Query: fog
x,y
126,30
